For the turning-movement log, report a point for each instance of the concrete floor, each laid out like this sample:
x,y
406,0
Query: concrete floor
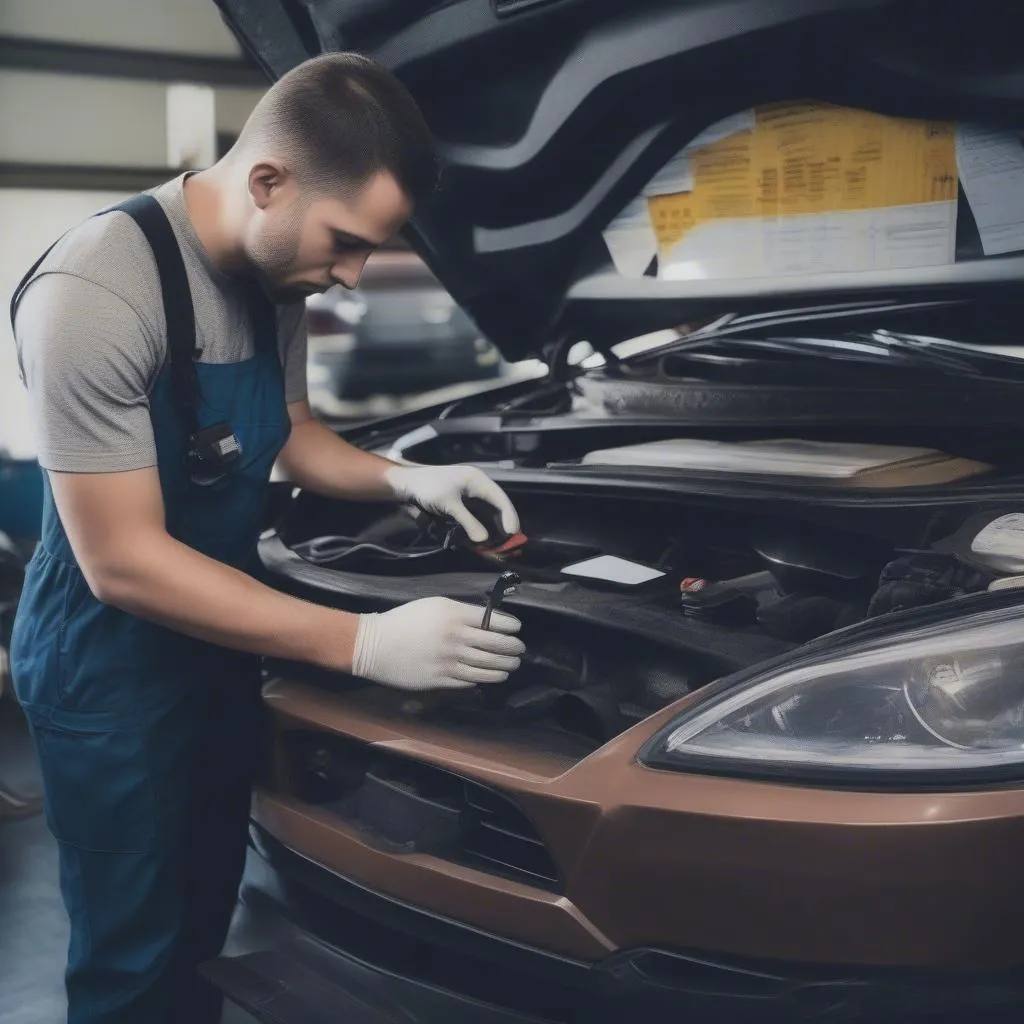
x,y
33,924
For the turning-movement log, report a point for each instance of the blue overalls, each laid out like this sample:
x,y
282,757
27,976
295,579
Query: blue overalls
x,y
148,739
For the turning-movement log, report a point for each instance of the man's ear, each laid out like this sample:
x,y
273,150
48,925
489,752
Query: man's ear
x,y
265,180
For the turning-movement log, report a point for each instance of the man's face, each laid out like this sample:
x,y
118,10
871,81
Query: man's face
x,y
299,246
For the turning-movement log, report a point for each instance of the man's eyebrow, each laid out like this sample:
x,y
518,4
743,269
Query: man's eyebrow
x,y
350,239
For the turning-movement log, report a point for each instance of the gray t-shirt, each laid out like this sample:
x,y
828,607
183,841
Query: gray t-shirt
x,y
92,339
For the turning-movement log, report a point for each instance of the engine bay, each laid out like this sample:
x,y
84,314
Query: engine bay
x,y
631,599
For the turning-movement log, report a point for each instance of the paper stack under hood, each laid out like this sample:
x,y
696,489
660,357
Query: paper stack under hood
x,y
837,463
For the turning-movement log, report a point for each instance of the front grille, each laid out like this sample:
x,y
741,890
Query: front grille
x,y
498,837
408,807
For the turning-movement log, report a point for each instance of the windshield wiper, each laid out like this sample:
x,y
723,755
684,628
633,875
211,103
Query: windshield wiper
x,y
944,354
754,324
881,348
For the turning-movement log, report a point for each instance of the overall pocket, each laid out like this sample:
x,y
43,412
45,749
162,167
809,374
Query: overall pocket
x,y
99,794
35,637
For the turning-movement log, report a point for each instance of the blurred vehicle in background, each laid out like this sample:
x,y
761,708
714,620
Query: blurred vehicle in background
x,y
12,575
399,334
13,805
21,512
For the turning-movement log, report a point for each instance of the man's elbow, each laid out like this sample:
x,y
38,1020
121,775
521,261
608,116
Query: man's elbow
x,y
104,585
291,459
115,581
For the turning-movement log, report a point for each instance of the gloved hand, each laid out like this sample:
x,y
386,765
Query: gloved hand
x,y
441,490
436,644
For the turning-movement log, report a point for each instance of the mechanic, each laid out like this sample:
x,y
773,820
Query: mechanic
x,y
163,345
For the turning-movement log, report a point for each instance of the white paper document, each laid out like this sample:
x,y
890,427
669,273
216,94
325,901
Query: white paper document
x,y
802,189
631,240
991,168
613,570
889,238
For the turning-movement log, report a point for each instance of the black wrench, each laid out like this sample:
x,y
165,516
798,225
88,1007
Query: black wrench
x,y
507,583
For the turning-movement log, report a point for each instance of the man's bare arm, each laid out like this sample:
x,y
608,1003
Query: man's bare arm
x,y
115,524
318,460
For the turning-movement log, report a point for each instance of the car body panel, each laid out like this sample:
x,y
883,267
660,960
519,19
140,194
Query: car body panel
x,y
654,858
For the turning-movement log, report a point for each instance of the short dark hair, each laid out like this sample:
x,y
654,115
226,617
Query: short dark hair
x,y
343,118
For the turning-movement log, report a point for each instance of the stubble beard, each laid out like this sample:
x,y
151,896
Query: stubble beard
x,y
273,257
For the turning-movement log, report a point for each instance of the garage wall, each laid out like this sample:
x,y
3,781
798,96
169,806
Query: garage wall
x,y
171,26
108,122
76,120
234,107
31,221
81,119
73,119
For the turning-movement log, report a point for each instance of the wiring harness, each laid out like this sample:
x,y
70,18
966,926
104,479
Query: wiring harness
x,y
335,548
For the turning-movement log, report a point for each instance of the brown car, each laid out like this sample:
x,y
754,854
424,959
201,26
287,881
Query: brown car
x,y
764,759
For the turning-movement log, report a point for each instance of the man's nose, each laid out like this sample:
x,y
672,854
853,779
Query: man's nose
x,y
347,273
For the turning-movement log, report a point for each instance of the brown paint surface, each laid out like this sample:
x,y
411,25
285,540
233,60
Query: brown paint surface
x,y
736,867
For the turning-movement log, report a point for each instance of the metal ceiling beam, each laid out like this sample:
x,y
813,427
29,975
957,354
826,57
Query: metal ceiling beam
x,y
115,62
83,178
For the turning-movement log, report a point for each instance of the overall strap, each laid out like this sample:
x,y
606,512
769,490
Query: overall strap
x,y
179,313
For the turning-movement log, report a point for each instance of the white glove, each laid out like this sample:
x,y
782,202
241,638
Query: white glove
x,y
441,490
436,644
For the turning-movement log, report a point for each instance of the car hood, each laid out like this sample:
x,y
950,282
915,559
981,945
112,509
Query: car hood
x,y
553,115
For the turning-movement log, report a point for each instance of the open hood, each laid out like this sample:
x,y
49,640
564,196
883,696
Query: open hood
x,y
553,115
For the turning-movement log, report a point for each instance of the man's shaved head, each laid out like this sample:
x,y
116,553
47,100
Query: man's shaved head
x,y
339,119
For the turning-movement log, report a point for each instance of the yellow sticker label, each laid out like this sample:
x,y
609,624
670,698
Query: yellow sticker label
x,y
811,158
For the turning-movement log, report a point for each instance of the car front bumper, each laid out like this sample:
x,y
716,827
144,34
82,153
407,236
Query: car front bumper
x,y
308,945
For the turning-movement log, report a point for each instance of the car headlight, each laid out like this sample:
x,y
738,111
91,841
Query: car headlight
x,y
944,700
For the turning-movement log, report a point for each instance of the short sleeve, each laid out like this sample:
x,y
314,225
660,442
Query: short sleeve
x,y
293,346
88,363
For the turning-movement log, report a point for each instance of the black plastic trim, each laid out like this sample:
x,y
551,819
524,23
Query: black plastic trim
x,y
510,8
117,62
277,987
273,32
851,779
777,498
83,177
646,623
393,913
406,796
